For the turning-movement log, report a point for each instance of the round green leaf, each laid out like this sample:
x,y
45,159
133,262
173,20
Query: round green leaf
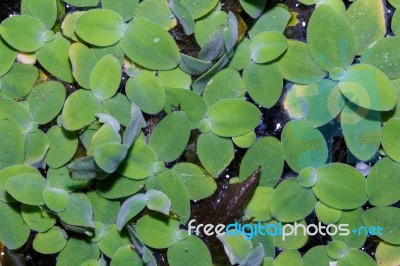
x,y
258,207
274,19
253,8
316,256
205,27
233,117
50,242
170,137
267,153
112,240
326,214
157,201
242,55
158,11
126,255
289,257
191,251
125,8
386,218
396,22
368,87
8,55
199,8
215,153
307,177
36,146
119,107
38,218
80,109
354,219
264,83
60,178
390,133
63,145
337,249
283,206
387,254
11,144
245,140
79,211
303,146
35,9
340,186
356,257
13,230
56,199
46,101
104,135
117,186
175,78
130,208
149,45
267,46
77,251
147,91
337,48
105,77
104,210
237,247
292,241
27,188
198,183
157,231
18,82
101,27
83,61
109,156
16,112
24,33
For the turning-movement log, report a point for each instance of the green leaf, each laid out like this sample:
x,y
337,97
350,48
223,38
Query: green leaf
x,y
11,144
226,84
184,16
354,219
303,146
337,249
253,8
368,87
46,101
77,251
396,22
68,25
194,66
237,247
11,171
387,254
289,257
198,183
340,186
157,230
383,183
126,255
80,109
13,230
274,19
82,3
50,242
56,199
157,201
149,45
241,55
233,117
390,133
18,81
316,256
386,218
112,240
125,8
175,78
105,77
130,208
170,137
8,55
158,11
27,188
215,153
294,241
264,83
172,185
101,27
36,146
147,91
191,251
205,27
17,113
199,8
104,135
104,210
34,8
298,66
307,177
267,153
267,46
283,206
357,257
79,211
338,46
326,214
258,207
23,33
117,186
83,61
245,140
63,145
119,107
362,131
38,218
85,169
362,13
188,101
109,156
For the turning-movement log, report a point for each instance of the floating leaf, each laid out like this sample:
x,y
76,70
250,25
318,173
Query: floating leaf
x,y
241,55
175,78
184,16
337,249
338,47
307,177
340,186
56,199
18,81
237,247
274,19
38,218
112,240
83,61
326,214
158,11
85,169
7,55
50,242
77,251
105,77
383,183
245,140
68,25
104,135
199,8
289,257
147,92
284,208
390,133
46,101
130,208
101,27
104,210
170,137
303,146
267,153
189,251
27,188
16,112
63,145
386,218
215,153
80,109
13,230
199,185
157,230
149,45
126,255
119,107
36,146
125,8
387,254
109,156
267,46
11,144
358,257
157,201
194,66
11,171
79,211
258,207
24,33
253,8
206,26
368,87
293,241
316,256
354,219
117,186
264,83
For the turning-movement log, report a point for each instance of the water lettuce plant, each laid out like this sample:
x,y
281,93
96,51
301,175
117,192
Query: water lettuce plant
x,y
125,122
